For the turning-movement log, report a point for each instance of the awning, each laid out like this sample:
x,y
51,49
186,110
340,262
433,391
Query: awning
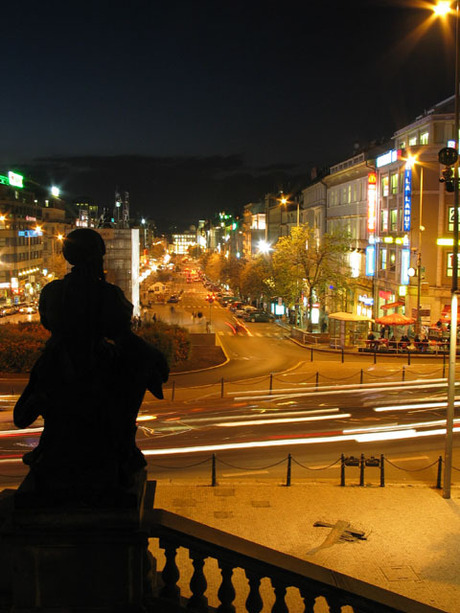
x,y
393,305
341,316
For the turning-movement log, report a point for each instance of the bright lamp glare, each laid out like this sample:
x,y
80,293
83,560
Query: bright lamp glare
x,y
441,8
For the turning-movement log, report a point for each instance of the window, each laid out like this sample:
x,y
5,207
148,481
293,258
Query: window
x,y
392,259
384,186
384,220
394,220
402,145
412,141
451,218
424,138
383,259
394,183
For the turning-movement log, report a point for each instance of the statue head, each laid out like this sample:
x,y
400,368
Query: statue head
x,y
83,246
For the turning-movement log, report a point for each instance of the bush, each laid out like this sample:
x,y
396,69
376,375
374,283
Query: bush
x,y
21,344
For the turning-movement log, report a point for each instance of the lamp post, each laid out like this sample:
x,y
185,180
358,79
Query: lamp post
x,y
284,200
443,8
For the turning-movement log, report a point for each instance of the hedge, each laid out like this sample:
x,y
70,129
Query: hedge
x,y
21,344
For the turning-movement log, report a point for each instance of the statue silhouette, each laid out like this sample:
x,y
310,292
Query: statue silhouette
x,y
88,386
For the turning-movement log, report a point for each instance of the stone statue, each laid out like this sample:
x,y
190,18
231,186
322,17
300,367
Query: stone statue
x,y
88,386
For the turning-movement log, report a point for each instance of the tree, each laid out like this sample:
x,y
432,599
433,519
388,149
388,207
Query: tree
x,y
306,263
256,279
213,266
231,273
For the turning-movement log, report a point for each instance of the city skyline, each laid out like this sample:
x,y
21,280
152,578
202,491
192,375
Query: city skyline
x,y
198,108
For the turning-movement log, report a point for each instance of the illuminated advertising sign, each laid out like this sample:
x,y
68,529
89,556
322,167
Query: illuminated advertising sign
x,y
370,260
388,158
405,265
371,200
407,198
15,180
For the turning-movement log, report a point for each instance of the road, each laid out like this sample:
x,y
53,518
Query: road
x,y
260,420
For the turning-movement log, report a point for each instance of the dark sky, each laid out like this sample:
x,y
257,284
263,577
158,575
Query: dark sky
x,y
196,106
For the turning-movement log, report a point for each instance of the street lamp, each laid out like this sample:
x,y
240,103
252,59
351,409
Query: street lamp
x,y
285,201
443,9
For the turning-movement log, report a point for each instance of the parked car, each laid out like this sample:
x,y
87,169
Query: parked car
x,y
258,316
234,306
173,298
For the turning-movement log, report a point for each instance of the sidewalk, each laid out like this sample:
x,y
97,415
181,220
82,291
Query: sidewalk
x,y
413,534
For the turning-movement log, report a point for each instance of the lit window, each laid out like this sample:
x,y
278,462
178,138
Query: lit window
x,y
383,259
393,220
451,218
450,259
402,145
412,141
384,220
424,138
384,186
394,183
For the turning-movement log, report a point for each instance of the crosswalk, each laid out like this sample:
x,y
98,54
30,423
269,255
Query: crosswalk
x,y
278,334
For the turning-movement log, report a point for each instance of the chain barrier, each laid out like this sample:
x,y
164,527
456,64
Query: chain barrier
x,y
350,461
248,468
318,468
337,378
249,381
381,376
182,467
411,470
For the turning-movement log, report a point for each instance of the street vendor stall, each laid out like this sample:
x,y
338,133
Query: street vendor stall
x,y
348,334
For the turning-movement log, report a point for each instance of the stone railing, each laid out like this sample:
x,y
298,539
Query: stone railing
x,y
258,563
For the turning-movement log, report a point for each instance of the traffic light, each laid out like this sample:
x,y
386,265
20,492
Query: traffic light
x,y
448,156
210,298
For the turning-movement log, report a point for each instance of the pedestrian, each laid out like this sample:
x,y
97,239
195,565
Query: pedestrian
x,y
154,318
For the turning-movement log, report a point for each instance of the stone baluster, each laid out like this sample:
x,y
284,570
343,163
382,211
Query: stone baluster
x,y
198,584
335,604
226,592
170,573
254,603
279,606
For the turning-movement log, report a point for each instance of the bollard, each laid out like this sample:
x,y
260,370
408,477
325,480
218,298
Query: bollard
x,y
361,471
271,383
382,471
311,354
222,387
439,478
343,355
361,378
213,471
173,390
408,358
317,379
288,476
342,470
403,373
375,356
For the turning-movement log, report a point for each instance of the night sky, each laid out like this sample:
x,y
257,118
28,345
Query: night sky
x,y
196,106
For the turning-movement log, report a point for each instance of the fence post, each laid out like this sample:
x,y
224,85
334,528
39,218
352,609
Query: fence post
x,y
343,355
288,476
342,470
375,356
403,373
317,379
408,357
213,471
361,470
271,383
222,387
173,390
361,378
444,365
439,478
311,354
382,470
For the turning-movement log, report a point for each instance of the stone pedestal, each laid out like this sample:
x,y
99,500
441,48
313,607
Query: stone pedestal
x,y
77,560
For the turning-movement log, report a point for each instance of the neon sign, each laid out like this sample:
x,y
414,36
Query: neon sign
x,y
15,180
371,200
370,260
407,198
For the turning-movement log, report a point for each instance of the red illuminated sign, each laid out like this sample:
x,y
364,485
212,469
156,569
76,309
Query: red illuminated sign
x,y
371,200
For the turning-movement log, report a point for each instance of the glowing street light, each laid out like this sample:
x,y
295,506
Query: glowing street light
x,y
285,201
263,247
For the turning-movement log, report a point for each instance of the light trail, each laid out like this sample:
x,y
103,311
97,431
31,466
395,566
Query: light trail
x,y
415,406
262,416
285,420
